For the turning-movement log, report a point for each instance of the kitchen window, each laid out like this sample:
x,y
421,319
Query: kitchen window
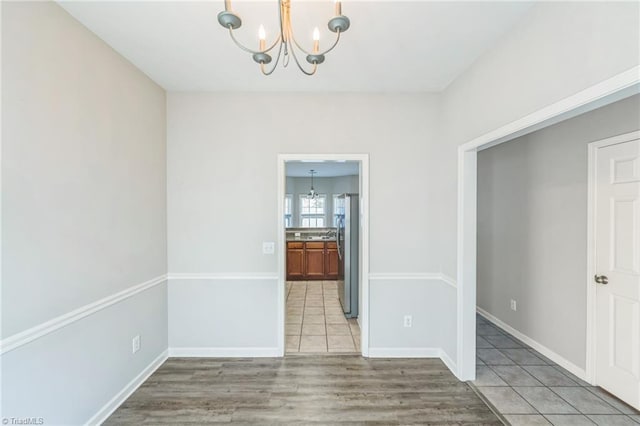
x,y
313,211
288,210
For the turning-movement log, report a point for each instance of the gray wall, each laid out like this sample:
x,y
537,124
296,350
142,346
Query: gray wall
x,y
83,214
215,233
54,71
548,56
329,185
532,227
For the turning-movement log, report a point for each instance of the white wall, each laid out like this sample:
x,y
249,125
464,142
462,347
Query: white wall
x,y
556,50
83,214
532,227
428,300
328,186
222,205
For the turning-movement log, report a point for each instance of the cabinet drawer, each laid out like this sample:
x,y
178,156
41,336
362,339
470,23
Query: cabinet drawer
x,y
315,246
332,245
295,245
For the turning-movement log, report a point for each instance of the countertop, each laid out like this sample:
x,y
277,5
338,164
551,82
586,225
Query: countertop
x,y
301,239
311,234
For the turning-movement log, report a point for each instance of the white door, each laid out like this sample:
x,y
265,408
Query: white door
x,y
617,264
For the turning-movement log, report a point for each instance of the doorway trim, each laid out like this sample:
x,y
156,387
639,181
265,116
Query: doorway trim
x,y
613,89
591,246
363,159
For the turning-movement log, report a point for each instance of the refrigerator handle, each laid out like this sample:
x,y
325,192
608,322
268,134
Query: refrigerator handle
x,y
338,237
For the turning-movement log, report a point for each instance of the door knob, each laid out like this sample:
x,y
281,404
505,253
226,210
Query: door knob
x,y
601,279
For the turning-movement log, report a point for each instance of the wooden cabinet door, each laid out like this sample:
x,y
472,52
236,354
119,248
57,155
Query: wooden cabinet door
x,y
314,261
295,261
331,262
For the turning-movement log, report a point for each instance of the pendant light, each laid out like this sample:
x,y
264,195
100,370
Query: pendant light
x,y
312,195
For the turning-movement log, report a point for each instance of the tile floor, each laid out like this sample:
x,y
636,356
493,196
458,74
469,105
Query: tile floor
x,y
315,321
529,389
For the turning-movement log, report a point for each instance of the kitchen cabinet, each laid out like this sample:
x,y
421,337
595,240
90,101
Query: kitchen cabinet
x,y
331,262
295,261
312,260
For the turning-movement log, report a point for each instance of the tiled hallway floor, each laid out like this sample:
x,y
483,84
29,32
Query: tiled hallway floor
x,y
315,322
529,389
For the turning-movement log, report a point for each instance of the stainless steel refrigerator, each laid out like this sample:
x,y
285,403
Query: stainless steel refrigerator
x,y
348,244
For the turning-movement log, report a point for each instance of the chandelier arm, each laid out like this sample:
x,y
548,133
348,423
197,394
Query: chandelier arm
x,y
295,58
335,43
298,44
253,52
275,65
286,41
285,61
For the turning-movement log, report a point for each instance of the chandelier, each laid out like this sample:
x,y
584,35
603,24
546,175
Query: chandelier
x,y
286,42
313,194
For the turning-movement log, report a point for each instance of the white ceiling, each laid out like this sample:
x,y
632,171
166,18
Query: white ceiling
x,y
392,46
323,169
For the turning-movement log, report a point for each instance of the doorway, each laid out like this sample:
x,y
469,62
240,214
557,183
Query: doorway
x,y
616,88
323,254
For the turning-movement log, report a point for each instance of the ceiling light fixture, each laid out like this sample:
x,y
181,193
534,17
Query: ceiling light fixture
x,y
286,42
312,195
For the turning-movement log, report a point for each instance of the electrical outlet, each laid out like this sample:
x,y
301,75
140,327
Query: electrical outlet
x,y
514,305
135,344
408,320
268,248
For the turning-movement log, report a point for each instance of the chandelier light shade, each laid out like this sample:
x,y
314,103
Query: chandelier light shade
x,y
285,46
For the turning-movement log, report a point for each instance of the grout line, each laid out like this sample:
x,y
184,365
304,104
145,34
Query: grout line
x,y
489,404
333,300
576,408
324,312
353,338
583,415
304,308
554,366
302,314
324,309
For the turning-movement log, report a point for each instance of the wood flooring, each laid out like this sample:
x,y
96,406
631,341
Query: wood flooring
x,y
303,389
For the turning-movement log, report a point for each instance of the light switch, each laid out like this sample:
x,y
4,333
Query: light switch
x,y
268,248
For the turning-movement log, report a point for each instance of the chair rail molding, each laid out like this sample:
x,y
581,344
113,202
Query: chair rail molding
x,y
426,276
22,338
222,276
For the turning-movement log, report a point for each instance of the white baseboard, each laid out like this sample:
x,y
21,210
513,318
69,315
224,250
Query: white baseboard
x,y
415,353
126,392
225,352
553,356
451,365
404,352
